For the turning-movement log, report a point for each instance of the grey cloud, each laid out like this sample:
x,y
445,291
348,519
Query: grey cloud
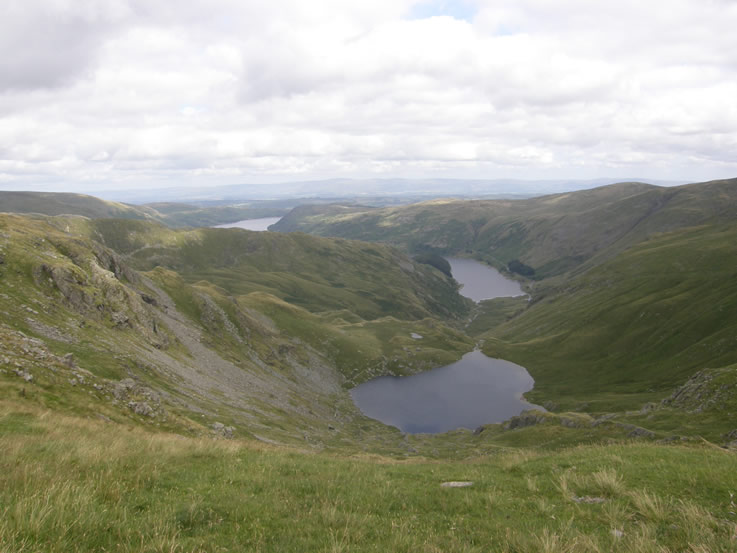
x,y
48,45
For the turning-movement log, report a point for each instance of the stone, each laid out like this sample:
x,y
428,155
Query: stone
x,y
638,432
456,484
220,428
550,406
142,408
123,388
24,374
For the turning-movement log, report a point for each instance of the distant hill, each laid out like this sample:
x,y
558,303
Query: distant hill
x,y
169,213
552,234
54,203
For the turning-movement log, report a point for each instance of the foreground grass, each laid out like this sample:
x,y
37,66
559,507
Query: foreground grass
x,y
69,484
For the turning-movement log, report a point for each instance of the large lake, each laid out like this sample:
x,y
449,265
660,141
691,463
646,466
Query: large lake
x,y
252,224
473,391
481,282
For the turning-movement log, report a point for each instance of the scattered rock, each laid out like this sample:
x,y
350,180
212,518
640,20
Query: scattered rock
x,y
416,336
550,406
456,484
142,408
638,432
603,419
123,388
225,431
617,533
120,319
571,423
24,374
527,418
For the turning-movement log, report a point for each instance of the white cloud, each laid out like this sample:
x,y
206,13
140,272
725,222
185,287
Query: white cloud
x,y
121,92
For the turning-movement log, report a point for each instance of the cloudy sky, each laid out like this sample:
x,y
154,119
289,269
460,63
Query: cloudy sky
x,y
133,93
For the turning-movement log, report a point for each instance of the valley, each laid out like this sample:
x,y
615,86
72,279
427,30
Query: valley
x,y
221,361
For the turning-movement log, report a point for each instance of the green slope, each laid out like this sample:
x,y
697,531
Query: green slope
x,y
553,234
228,349
632,327
56,203
171,213
318,274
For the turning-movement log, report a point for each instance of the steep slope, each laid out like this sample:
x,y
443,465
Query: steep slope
x,y
635,326
370,280
86,332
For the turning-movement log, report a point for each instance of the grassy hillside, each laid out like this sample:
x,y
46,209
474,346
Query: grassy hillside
x,y
638,325
552,234
70,484
54,203
318,274
171,214
85,332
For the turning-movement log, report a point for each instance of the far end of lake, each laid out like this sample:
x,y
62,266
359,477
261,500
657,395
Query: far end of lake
x,y
261,224
481,282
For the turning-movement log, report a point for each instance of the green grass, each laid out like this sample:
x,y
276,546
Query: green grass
x,y
73,485
553,234
633,328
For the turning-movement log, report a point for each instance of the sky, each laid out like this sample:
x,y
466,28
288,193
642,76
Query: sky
x,y
142,93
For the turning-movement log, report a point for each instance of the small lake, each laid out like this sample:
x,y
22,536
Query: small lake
x,y
473,391
252,224
481,282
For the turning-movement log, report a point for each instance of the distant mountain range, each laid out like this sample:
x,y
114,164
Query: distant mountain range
x,y
384,190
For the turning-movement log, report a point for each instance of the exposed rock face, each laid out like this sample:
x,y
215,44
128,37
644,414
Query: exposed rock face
x,y
92,287
527,418
707,389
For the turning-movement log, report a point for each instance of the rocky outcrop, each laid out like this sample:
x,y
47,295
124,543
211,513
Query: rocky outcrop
x,y
100,287
708,389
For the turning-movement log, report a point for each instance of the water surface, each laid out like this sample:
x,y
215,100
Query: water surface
x,y
473,391
252,224
481,282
